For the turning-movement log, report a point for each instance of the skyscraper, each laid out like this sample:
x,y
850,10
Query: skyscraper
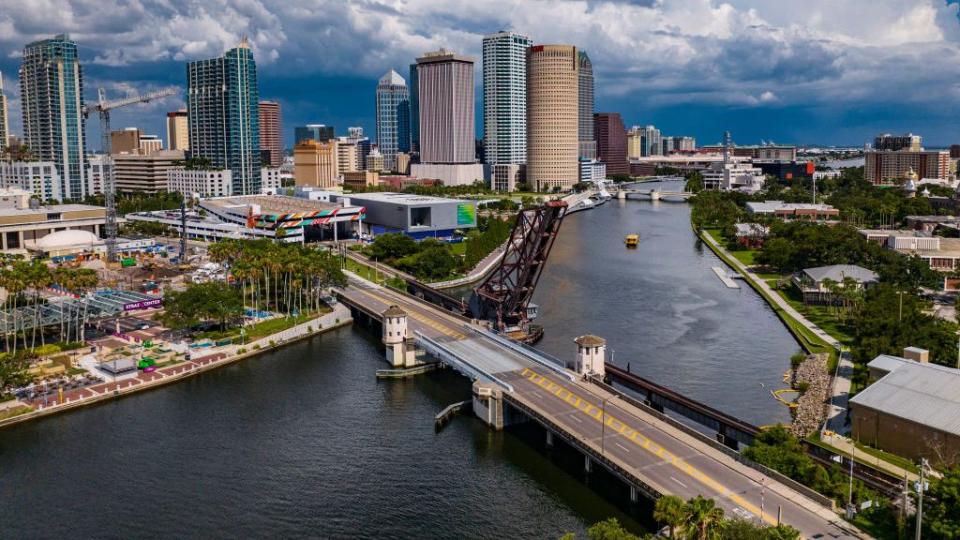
x,y
585,108
4,124
224,118
178,132
393,117
505,97
553,77
414,110
611,139
447,121
51,92
271,133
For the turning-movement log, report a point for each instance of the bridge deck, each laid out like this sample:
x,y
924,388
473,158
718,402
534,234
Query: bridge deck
x,y
647,450
659,456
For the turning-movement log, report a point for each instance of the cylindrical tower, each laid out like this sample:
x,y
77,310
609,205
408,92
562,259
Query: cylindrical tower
x,y
552,116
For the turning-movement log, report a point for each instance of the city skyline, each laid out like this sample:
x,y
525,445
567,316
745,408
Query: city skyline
x,y
774,73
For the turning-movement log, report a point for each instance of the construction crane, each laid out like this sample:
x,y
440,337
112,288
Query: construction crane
x,y
102,108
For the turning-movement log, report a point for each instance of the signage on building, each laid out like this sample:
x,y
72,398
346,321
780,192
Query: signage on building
x,y
143,304
466,214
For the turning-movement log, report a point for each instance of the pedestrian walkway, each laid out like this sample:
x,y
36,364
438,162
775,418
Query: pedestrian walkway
x,y
846,446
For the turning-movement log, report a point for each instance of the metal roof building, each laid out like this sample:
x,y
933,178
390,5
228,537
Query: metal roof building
x,y
912,411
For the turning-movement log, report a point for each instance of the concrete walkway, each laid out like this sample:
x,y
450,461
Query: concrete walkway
x,y
846,446
840,388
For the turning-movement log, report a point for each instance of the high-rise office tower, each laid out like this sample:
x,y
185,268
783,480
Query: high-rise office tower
x,y
414,110
895,143
447,132
4,124
505,97
611,139
553,78
224,117
585,107
315,132
51,93
178,131
393,117
271,133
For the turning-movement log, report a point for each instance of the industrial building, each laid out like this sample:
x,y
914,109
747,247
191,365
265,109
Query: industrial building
x,y
912,410
22,225
417,216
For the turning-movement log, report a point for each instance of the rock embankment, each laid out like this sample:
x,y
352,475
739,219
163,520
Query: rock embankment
x,y
812,379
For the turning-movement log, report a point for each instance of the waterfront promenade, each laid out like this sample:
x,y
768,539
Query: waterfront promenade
x,y
199,362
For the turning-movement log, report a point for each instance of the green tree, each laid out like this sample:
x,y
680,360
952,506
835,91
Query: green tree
x,y
392,246
13,370
942,507
610,529
703,520
670,511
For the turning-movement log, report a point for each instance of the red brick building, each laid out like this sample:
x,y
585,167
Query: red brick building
x,y
271,140
611,137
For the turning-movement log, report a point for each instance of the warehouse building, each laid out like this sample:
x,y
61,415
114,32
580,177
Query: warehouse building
x,y
912,410
417,216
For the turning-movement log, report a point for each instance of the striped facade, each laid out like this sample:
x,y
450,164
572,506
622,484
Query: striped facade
x,y
552,117
446,103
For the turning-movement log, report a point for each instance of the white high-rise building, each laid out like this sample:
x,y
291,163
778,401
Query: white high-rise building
x,y
4,123
505,97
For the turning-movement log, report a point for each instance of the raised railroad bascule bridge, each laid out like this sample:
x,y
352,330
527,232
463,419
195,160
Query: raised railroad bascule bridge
x,y
626,433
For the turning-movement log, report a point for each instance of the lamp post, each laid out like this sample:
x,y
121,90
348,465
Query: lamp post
x,y
920,489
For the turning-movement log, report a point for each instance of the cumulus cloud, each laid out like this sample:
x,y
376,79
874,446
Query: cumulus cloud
x,y
744,53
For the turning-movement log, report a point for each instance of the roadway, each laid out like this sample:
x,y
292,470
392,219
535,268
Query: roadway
x,y
667,460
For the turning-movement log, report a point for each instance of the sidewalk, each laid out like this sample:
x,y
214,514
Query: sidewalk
x,y
846,446
840,388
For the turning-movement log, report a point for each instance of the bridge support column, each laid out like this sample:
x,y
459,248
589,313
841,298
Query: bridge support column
x,y
634,494
622,195
488,405
549,439
726,440
587,464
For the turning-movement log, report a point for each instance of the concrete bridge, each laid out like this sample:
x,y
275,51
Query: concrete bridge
x,y
650,452
653,194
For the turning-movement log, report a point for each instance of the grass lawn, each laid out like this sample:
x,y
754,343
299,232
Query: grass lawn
x,y
746,256
14,411
892,459
364,271
460,248
263,329
822,316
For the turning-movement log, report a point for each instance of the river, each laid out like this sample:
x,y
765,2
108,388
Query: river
x,y
305,442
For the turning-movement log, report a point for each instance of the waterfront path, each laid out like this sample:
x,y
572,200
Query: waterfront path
x,y
840,387
212,358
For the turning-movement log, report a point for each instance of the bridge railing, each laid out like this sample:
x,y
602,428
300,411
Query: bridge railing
x,y
540,357
775,475
449,357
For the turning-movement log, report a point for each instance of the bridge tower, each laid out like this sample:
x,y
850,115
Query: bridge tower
x,y
591,355
400,349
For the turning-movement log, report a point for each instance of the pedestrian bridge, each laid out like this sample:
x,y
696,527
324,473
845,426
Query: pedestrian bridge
x,y
652,453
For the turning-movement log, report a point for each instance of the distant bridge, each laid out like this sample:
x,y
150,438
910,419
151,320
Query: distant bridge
x,y
654,194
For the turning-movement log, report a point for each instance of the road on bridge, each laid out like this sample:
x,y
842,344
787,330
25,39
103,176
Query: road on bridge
x,y
663,457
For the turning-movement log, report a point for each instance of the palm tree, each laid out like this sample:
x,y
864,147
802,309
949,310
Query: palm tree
x,y
702,519
669,510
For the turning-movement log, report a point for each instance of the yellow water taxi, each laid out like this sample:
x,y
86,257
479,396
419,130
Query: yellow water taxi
x,y
632,240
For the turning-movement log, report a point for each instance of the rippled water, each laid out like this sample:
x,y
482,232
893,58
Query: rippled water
x,y
305,442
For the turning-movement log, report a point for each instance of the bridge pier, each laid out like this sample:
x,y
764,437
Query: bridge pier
x,y
634,494
549,439
621,195
725,439
587,464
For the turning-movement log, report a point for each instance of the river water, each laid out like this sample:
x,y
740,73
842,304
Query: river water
x,y
305,442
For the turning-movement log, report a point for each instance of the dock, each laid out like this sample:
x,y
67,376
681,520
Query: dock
x,y
722,274
449,412
403,373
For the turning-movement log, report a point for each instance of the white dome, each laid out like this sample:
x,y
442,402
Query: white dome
x,y
67,239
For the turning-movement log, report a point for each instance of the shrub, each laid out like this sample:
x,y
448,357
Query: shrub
x,y
803,387
797,359
256,347
241,350
273,343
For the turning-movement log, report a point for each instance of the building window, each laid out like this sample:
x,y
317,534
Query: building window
x,y
13,240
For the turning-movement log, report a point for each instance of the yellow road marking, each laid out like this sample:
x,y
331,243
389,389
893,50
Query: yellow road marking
x,y
445,330
644,442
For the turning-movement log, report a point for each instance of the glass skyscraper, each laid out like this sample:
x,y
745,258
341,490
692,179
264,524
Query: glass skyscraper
x,y
414,110
51,91
585,106
393,118
505,97
224,118
316,132
4,121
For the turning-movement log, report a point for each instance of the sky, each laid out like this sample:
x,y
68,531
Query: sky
x,y
830,72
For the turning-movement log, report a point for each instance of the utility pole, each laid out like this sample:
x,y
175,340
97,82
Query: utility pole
x,y
923,469
853,453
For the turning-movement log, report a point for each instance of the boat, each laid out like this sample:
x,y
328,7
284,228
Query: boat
x,y
632,240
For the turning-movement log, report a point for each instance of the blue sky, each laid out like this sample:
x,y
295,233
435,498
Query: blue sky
x,y
816,71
